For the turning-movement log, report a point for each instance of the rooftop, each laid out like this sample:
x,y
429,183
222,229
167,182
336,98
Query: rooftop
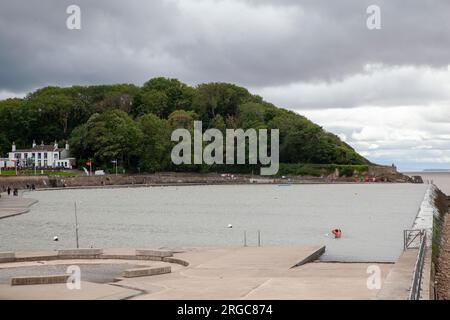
x,y
41,148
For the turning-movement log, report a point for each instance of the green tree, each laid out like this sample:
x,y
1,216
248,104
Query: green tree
x,y
219,98
105,122
251,115
177,95
156,143
108,136
182,119
218,123
152,101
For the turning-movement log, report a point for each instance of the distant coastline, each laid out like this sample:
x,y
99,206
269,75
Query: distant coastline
x,y
439,178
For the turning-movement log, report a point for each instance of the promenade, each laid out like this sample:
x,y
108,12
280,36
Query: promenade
x,y
206,273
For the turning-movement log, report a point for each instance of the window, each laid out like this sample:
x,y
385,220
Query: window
x,y
56,156
25,155
45,155
39,155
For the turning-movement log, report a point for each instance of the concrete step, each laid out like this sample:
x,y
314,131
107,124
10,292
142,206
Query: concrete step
x,y
145,272
52,279
154,253
7,257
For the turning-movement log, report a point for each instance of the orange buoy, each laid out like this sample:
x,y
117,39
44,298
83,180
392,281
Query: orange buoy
x,y
337,233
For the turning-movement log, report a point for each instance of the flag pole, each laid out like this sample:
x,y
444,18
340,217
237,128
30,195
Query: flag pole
x,y
76,225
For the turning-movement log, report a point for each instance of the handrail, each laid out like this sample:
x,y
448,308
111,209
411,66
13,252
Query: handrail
x,y
409,237
414,293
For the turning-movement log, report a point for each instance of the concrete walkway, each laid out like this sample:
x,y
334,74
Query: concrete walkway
x,y
12,206
398,282
219,273
258,273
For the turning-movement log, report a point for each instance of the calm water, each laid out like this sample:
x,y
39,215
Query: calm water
x,y
372,218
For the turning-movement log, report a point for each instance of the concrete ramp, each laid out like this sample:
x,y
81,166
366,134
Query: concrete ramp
x,y
12,206
264,258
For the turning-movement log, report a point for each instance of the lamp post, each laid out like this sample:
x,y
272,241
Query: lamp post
x,y
15,165
76,225
115,163
89,163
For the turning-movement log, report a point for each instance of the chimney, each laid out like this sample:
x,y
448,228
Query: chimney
x,y
34,143
56,145
67,145
42,143
13,147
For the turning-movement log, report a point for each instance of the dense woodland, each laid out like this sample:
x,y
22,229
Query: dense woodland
x,y
133,124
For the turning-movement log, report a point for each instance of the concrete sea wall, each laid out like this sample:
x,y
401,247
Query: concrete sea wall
x,y
178,178
427,212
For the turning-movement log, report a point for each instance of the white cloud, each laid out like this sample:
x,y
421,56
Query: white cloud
x,y
403,135
389,114
4,94
376,85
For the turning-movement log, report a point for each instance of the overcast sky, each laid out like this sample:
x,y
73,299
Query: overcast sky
x,y
386,92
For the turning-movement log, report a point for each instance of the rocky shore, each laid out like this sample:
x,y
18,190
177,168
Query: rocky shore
x,y
442,252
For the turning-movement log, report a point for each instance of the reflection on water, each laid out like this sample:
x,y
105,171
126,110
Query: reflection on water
x,y
372,218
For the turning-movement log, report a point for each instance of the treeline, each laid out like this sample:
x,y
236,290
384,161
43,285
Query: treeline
x,y
133,124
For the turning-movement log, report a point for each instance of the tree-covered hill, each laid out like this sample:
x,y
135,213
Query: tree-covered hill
x,y
133,124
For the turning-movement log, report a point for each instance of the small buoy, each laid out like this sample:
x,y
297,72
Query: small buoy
x,y
337,233
55,238
230,226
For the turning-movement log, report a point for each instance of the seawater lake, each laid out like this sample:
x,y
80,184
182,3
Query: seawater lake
x,y
371,216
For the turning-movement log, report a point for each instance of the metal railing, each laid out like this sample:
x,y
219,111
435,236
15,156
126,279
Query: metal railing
x,y
412,238
414,293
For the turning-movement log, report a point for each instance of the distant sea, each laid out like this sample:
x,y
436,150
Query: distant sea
x,y
440,178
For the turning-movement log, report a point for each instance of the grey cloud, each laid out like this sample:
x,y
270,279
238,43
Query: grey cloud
x,y
376,86
252,43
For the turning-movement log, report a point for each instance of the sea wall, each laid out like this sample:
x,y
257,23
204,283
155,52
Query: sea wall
x,y
21,182
427,213
175,178
150,179
154,179
44,181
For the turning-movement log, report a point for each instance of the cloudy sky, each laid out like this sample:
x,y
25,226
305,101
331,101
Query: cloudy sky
x,y
386,92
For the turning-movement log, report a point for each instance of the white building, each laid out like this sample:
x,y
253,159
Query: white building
x,y
42,156
6,163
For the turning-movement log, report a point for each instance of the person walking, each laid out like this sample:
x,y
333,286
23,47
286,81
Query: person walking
x,y
9,191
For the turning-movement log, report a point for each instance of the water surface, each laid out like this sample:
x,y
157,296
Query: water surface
x,y
372,218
